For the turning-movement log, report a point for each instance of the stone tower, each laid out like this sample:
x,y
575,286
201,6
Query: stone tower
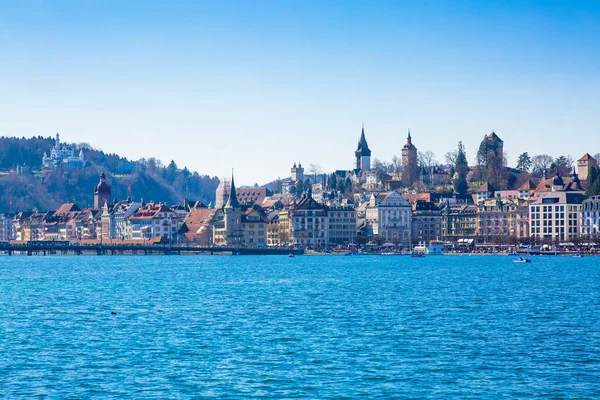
x,y
584,164
101,192
363,153
233,218
297,172
410,165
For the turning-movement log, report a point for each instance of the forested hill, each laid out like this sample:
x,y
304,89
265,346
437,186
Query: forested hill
x,y
44,190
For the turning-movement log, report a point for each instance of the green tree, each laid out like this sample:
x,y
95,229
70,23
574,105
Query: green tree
x,y
524,162
593,182
461,168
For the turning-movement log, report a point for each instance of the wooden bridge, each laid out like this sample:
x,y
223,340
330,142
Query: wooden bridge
x,y
44,248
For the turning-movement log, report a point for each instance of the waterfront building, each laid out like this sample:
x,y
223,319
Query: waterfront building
x,y
555,215
342,223
459,223
254,227
307,223
499,219
62,155
197,226
390,217
154,220
410,165
590,217
6,226
362,153
426,222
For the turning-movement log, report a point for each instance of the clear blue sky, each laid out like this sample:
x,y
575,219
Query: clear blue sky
x,y
256,85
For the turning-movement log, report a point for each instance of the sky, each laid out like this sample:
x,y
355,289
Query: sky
x,y
257,85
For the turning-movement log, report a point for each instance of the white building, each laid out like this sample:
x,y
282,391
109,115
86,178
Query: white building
x,y
590,217
154,220
64,155
555,215
390,217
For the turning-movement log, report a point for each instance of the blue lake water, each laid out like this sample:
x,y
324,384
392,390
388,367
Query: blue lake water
x,y
303,327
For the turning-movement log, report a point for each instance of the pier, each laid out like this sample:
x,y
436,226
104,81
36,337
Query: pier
x,y
46,248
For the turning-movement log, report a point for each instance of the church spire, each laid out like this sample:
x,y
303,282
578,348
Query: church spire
x,y
363,147
232,202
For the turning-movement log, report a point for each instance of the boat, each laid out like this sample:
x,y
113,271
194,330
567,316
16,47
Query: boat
x,y
291,255
522,260
433,249
578,255
417,255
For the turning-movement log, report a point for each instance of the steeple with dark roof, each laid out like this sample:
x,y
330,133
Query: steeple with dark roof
x,y
363,147
232,202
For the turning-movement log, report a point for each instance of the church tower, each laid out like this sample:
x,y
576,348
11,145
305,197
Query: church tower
x,y
363,153
101,192
410,166
233,218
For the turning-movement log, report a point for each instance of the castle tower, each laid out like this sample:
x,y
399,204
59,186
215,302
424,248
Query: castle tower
x,y
101,192
297,172
410,165
363,153
233,218
496,144
584,164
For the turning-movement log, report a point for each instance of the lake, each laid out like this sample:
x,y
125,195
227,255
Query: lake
x,y
303,327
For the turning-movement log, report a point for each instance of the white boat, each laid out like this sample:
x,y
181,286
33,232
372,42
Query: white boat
x,y
433,249
522,260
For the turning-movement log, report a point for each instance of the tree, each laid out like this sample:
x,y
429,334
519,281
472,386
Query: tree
x,y
593,182
524,162
564,165
541,163
461,168
396,165
314,170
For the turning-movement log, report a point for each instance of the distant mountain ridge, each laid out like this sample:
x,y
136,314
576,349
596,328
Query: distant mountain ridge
x,y
24,185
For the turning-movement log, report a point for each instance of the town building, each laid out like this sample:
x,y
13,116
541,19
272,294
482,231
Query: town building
x,y
459,223
197,227
499,219
308,223
390,217
342,224
555,215
6,226
62,155
590,218
254,227
154,220
426,222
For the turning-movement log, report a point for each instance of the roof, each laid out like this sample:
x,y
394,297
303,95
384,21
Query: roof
x,y
150,210
494,137
486,188
308,203
528,185
363,147
66,209
252,195
197,218
558,197
232,202
570,184
587,157
413,197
